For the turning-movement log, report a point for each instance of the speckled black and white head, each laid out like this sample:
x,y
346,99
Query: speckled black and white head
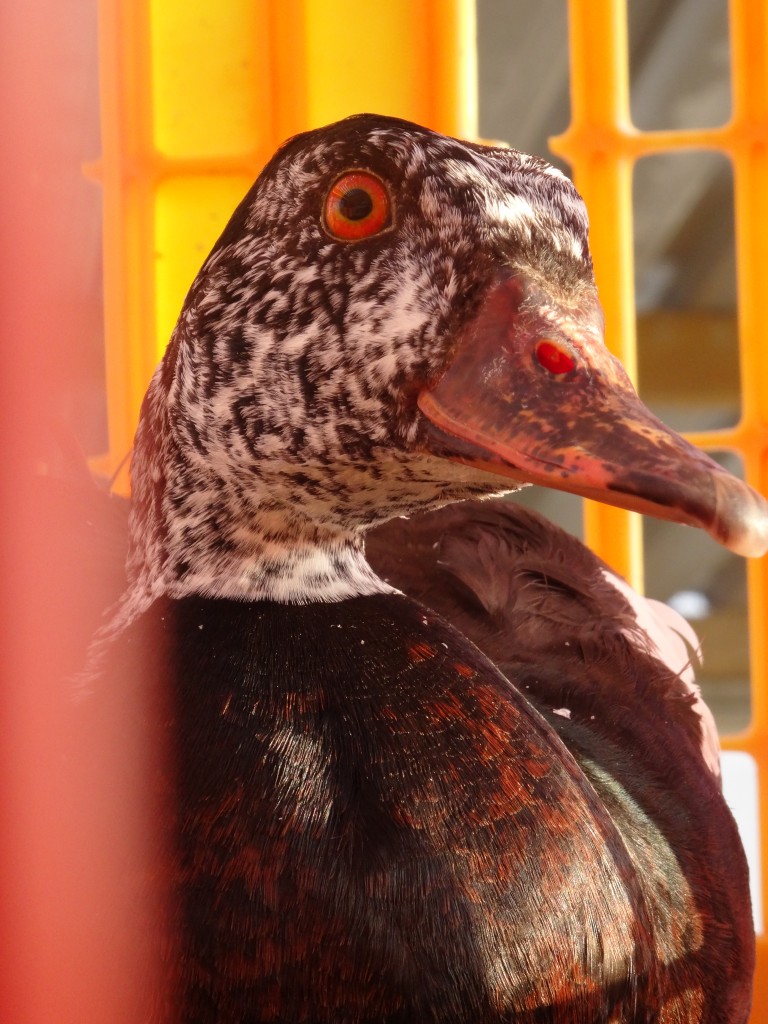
x,y
310,388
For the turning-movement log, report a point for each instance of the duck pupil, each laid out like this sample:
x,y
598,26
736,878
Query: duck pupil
x,y
356,204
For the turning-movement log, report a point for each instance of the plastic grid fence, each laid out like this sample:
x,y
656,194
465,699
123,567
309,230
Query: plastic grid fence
x,y
602,147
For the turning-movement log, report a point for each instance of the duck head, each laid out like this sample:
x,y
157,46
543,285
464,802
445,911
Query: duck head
x,y
392,320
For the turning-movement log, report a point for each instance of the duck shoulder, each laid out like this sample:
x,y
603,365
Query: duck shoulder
x,y
619,693
372,799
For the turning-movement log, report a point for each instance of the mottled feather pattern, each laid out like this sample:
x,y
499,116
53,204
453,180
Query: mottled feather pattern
x,y
291,352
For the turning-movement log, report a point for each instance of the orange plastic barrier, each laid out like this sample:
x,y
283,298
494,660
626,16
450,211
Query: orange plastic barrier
x,y
602,146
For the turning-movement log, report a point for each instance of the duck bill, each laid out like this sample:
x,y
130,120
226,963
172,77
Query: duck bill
x,y
532,394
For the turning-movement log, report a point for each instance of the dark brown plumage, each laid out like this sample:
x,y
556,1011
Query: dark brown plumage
x,y
541,606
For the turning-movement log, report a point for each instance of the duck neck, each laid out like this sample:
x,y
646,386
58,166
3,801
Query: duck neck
x,y
222,512
253,529
195,532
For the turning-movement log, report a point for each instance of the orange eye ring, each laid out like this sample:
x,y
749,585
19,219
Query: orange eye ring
x,y
357,206
555,357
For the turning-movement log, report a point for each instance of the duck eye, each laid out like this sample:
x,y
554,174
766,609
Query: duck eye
x,y
554,357
357,206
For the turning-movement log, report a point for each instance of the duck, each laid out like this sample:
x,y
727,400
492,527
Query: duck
x,y
489,795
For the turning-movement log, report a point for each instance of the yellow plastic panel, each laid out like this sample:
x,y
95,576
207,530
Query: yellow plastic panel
x,y
407,58
189,214
345,42
602,146
210,74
